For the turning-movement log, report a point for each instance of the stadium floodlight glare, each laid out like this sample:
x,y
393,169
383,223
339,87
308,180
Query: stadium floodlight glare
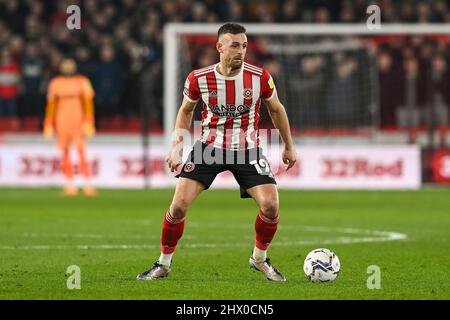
x,y
177,66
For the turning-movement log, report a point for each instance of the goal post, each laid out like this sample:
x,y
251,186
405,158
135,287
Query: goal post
x,y
288,36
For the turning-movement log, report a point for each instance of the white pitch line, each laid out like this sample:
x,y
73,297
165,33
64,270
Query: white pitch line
x,y
93,236
378,236
390,234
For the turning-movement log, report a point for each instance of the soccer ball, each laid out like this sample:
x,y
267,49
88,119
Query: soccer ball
x,y
321,265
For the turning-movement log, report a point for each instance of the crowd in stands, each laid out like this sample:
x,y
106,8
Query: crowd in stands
x,y
120,48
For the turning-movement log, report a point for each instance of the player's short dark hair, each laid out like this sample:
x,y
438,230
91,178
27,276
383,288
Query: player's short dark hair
x,y
232,28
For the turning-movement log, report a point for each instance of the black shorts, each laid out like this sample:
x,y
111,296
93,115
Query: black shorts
x,y
250,167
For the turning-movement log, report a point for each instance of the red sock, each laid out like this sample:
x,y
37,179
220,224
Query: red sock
x,y
265,230
172,231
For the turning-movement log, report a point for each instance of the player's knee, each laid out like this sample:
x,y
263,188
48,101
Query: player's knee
x,y
269,207
178,209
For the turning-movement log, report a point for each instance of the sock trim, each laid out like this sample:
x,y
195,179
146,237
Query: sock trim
x,y
165,249
173,220
267,219
262,246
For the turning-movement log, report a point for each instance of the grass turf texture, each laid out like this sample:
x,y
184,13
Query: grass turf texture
x,y
212,258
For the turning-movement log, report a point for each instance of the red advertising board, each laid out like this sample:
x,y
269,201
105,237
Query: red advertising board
x,y
440,165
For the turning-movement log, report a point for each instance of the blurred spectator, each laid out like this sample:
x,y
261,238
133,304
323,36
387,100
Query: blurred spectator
x,y
235,10
423,12
85,62
37,9
151,99
407,12
347,13
323,15
265,11
34,28
32,87
437,111
108,81
289,12
408,114
440,11
327,10
199,12
390,77
127,7
9,84
306,107
13,14
341,107
389,11
54,58
132,88
15,47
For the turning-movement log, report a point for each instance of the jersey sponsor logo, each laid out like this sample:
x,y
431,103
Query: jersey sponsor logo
x,y
247,93
229,110
189,167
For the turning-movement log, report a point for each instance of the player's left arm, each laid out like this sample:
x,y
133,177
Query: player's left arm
x,y
280,121
88,108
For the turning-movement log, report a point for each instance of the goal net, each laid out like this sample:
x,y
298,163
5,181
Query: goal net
x,y
334,80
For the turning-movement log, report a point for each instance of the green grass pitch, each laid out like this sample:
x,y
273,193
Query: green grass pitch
x,y
115,236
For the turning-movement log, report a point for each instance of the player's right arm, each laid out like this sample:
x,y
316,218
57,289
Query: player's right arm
x,y
50,110
191,93
182,126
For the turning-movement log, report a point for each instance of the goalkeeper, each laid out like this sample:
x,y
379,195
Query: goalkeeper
x,y
70,116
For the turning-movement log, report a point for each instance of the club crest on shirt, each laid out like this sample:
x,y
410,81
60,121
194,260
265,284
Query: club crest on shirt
x,y
189,167
248,93
213,94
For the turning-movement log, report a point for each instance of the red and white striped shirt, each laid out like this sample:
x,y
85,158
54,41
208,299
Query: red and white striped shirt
x,y
231,105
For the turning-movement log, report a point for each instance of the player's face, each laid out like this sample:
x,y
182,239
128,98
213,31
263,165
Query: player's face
x,y
68,67
232,48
